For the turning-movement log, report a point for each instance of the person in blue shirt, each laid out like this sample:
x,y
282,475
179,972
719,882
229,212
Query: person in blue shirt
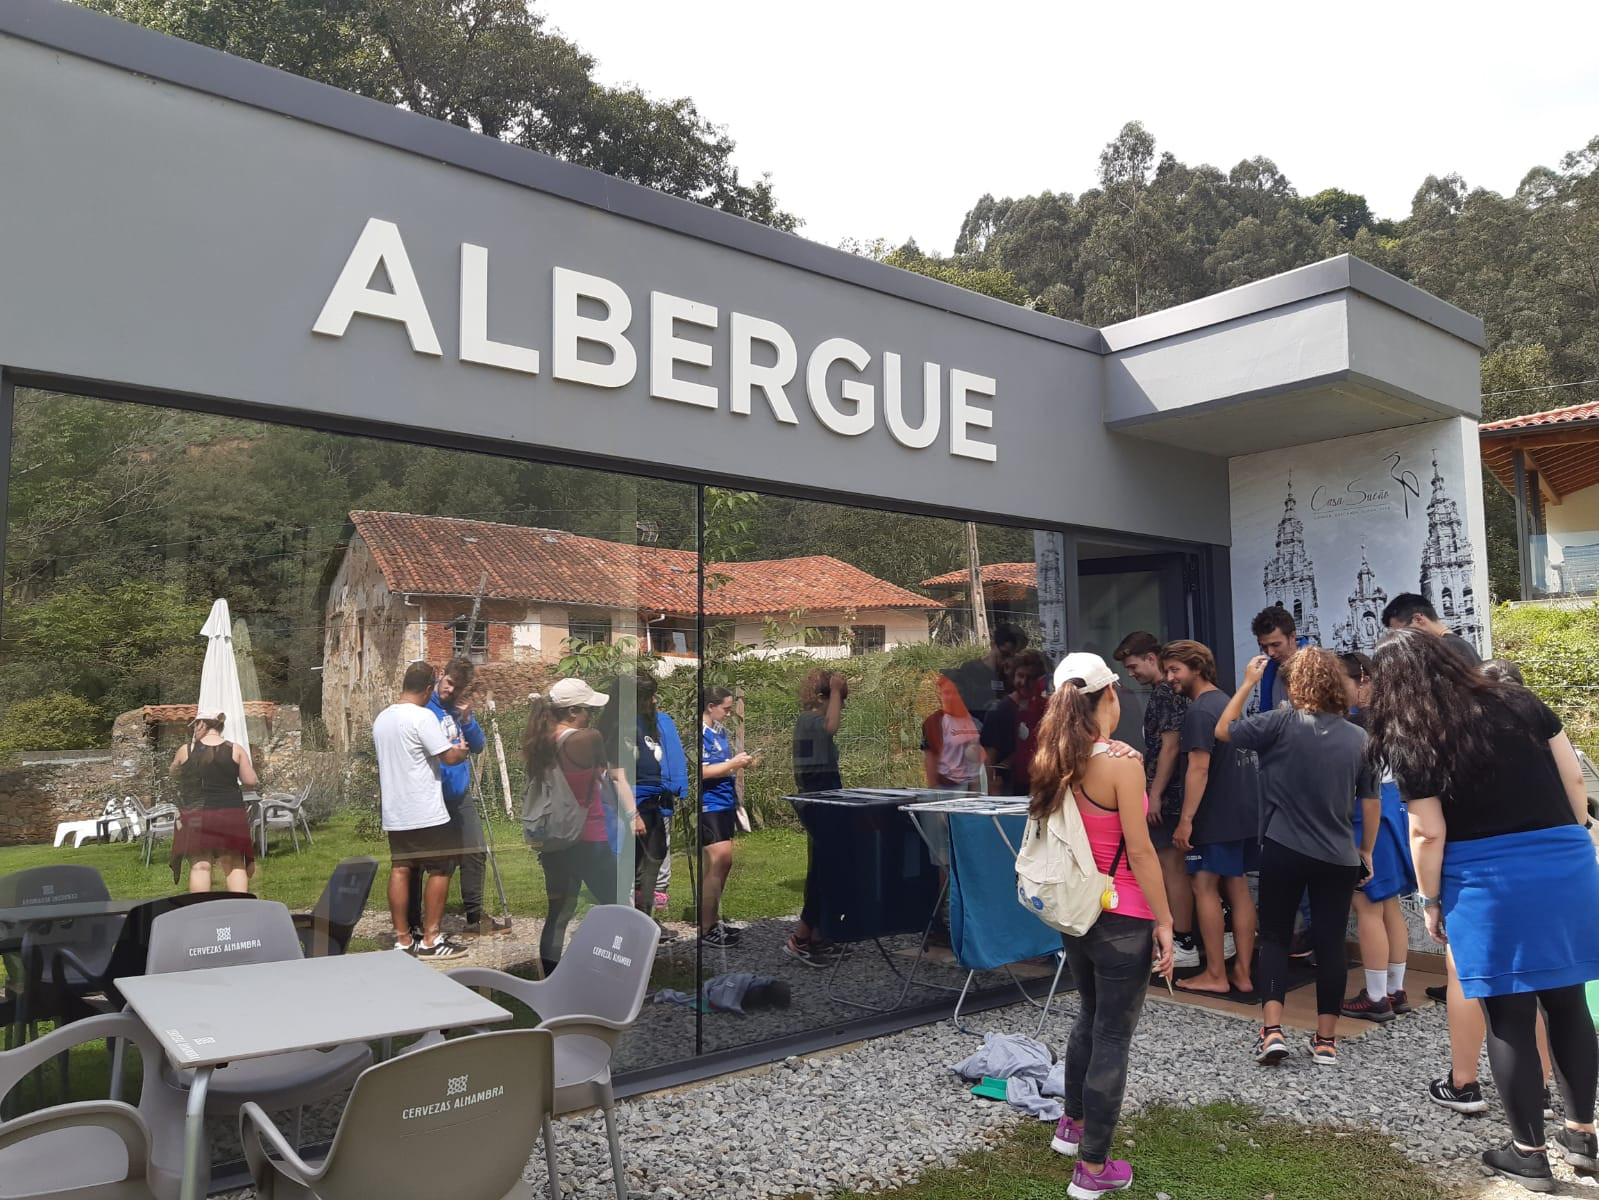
x,y
451,703
719,767
659,777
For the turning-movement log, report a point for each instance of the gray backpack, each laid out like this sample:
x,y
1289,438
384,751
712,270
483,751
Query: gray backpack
x,y
552,817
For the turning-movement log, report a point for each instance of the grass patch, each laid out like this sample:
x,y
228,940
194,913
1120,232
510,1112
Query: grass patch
x,y
768,877
1179,1151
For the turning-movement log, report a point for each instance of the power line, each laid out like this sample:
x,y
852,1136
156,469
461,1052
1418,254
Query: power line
x,y
1550,387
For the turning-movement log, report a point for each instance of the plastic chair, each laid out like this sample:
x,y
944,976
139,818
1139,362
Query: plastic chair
x,y
591,998
281,1081
458,1118
158,823
32,994
326,929
92,1150
282,810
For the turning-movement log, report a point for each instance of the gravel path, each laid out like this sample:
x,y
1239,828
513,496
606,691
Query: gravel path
x,y
881,1112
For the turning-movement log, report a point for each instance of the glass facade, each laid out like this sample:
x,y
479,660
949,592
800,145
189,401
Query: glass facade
x,y
751,648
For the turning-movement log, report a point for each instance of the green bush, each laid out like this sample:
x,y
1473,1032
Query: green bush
x,y
59,721
1558,652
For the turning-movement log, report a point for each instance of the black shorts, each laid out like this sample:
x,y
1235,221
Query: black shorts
x,y
718,826
435,850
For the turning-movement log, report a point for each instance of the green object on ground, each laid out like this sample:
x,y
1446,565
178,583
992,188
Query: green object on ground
x,y
989,1089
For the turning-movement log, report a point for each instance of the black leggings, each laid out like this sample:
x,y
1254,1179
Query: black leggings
x,y
565,873
1285,876
1518,1072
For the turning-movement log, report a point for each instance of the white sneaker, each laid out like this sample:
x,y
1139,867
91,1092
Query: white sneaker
x,y
1229,949
1185,956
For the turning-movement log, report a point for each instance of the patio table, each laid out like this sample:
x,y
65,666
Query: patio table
x,y
209,1018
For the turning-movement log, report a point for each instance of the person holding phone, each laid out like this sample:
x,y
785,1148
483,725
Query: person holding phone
x,y
719,768
1313,768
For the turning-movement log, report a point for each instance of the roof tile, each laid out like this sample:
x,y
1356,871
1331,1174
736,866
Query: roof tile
x,y
1554,416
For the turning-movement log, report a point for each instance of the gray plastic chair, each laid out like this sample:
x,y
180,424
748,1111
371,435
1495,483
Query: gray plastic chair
x,y
99,1149
591,998
457,1118
281,1081
282,810
32,992
159,822
327,928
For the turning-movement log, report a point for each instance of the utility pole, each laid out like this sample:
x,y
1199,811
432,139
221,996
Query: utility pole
x,y
974,585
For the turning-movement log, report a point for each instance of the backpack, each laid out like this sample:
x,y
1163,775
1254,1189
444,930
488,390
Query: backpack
x,y
1057,879
552,817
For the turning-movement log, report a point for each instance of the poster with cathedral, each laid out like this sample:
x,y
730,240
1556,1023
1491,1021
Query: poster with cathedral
x,y
1331,531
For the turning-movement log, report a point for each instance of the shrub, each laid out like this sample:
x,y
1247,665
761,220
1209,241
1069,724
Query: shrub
x,y
59,721
1558,652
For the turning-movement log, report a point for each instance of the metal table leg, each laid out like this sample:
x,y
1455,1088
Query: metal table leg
x,y
196,1154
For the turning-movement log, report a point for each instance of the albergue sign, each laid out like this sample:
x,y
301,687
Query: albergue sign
x,y
764,364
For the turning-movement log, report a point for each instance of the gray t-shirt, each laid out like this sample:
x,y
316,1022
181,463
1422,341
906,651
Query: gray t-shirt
x,y
1463,648
1312,771
1230,809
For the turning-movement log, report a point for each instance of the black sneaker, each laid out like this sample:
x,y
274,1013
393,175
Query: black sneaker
x,y
720,936
1367,1009
441,949
1399,1002
1529,1168
1439,994
1580,1148
1467,1099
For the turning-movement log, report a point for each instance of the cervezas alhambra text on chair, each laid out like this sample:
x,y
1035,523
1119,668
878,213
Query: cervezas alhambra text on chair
x,y
587,1002
456,1118
92,1149
234,932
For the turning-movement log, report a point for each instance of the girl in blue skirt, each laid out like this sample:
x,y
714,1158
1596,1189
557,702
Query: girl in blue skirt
x,y
1506,876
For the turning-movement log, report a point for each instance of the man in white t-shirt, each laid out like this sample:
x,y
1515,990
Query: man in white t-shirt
x,y
411,745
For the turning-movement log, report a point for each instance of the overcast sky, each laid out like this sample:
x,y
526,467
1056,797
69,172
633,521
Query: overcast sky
x,y
888,118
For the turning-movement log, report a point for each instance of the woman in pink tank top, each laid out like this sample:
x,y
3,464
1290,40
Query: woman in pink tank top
x,y
1110,963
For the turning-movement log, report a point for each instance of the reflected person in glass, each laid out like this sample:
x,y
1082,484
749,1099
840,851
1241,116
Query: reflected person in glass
x,y
952,756
719,768
214,826
822,695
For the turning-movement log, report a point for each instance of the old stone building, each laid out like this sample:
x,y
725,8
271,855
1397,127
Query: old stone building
x,y
404,585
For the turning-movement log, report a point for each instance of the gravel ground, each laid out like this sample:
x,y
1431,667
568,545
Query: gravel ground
x,y
882,1112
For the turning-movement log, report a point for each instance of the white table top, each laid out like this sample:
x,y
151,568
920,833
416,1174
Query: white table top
x,y
227,1014
983,806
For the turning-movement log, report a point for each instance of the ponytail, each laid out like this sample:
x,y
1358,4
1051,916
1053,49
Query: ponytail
x,y
1064,745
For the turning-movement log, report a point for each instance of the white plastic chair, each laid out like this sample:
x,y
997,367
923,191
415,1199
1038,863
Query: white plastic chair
x,y
112,817
591,998
97,1149
455,1119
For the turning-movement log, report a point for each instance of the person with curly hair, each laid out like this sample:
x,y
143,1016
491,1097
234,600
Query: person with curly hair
x,y
1313,768
1506,876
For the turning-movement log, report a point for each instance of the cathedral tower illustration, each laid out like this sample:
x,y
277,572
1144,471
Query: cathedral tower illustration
x,y
1363,626
1446,564
1289,578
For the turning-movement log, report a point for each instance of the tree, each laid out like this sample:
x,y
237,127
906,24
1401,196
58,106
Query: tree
x,y
487,65
1348,210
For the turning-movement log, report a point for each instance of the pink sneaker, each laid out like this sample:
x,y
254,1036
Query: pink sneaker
x,y
1117,1176
1067,1135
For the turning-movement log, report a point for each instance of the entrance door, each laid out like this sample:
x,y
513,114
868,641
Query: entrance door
x,y
1125,593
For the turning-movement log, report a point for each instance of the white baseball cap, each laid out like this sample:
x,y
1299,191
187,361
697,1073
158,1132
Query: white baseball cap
x,y
1090,668
574,693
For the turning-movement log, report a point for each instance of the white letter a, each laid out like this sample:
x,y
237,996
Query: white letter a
x,y
379,244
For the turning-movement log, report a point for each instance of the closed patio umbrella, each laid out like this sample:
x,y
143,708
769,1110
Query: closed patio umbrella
x,y
219,677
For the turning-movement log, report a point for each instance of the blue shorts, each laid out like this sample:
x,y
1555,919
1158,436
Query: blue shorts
x,y
1228,859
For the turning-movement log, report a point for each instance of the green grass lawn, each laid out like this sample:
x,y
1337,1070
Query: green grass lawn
x,y
1217,1152
768,877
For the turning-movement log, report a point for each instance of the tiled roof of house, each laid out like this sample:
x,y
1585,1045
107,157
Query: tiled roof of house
x,y
446,556
162,714
1555,416
1024,574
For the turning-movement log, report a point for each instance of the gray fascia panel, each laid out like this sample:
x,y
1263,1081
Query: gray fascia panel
x,y
85,34
1344,273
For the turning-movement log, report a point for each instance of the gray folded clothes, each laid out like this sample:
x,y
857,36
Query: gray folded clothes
x,y
1025,1065
724,993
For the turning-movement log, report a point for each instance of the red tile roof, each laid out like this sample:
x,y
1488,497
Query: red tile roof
x,y
161,714
1555,416
446,556
1024,574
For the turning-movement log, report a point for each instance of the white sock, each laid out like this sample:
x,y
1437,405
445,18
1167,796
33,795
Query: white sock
x,y
1396,977
1376,984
